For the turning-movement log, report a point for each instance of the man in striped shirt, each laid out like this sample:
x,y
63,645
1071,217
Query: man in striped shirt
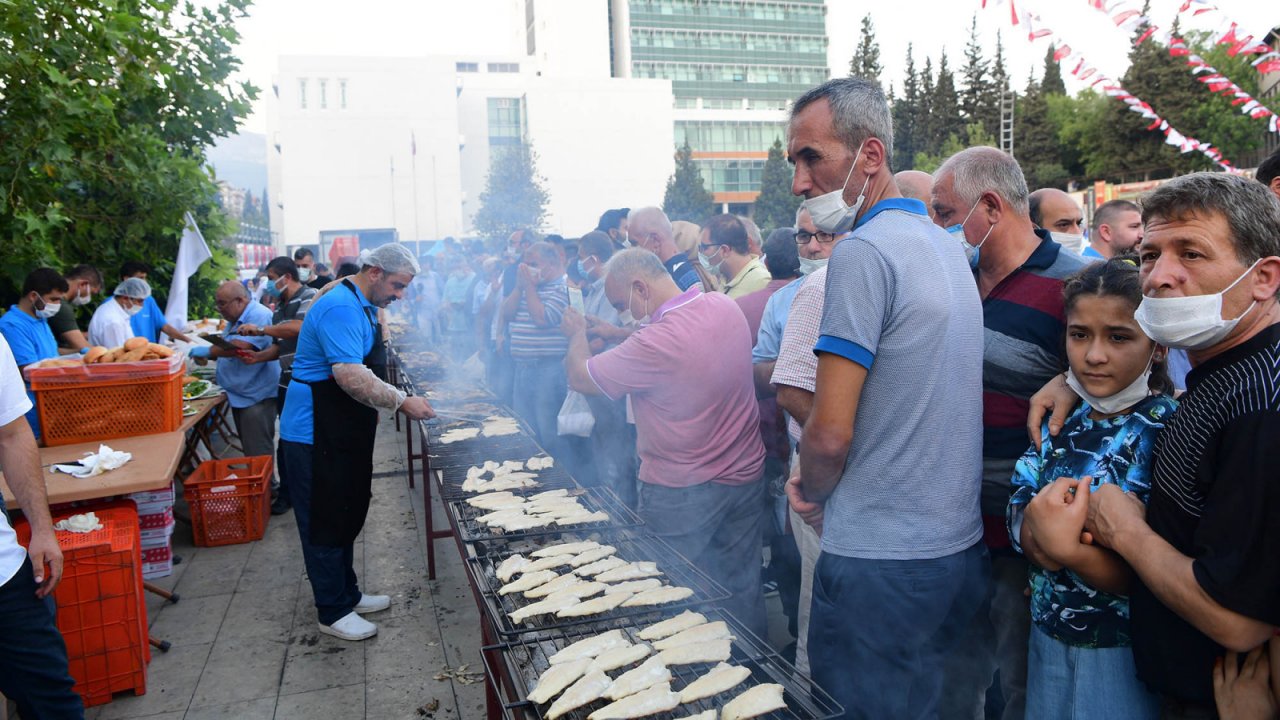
x,y
533,313
981,196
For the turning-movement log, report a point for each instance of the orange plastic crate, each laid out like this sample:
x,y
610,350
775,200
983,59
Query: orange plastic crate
x,y
101,614
102,402
229,510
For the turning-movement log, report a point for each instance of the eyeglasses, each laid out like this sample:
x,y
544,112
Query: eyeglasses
x,y
705,247
804,236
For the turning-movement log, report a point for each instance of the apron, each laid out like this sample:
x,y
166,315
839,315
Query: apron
x,y
342,452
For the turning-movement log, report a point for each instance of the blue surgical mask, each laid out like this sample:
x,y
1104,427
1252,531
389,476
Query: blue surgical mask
x,y
970,251
273,289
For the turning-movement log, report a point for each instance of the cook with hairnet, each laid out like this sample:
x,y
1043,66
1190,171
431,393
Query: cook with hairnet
x,y
327,431
109,326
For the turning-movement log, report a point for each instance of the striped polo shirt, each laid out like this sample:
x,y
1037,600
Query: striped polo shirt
x,y
531,341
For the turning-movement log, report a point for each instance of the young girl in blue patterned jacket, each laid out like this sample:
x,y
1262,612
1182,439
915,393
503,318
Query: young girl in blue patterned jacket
x,y
1079,660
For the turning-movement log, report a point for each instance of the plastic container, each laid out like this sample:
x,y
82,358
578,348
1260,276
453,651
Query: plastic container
x,y
87,403
101,612
230,500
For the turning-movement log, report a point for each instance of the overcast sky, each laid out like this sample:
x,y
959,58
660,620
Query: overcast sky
x,y
429,27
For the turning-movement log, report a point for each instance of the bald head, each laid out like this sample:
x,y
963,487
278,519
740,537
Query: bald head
x,y
231,289
1055,211
649,228
915,184
231,299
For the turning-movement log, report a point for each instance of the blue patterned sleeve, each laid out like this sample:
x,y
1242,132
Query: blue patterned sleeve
x,y
1144,426
1026,482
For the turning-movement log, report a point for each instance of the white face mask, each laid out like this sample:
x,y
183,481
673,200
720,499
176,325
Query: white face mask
x,y
957,231
1189,323
1074,243
304,274
49,310
808,266
133,310
1131,395
830,213
706,263
627,317
83,298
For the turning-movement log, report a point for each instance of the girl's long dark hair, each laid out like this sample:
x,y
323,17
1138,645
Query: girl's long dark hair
x,y
1117,277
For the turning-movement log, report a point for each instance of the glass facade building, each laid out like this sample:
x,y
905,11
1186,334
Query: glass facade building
x,y
739,62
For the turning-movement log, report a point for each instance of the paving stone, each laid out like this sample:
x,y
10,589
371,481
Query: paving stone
x,y
240,669
191,620
266,613
214,570
260,709
171,681
316,661
339,703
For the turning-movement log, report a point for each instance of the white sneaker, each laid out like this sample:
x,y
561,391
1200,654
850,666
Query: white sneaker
x,y
372,603
350,627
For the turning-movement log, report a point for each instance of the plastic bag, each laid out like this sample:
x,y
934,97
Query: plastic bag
x,y
575,416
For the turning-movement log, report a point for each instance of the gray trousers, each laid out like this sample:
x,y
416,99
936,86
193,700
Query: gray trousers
x,y
256,426
717,528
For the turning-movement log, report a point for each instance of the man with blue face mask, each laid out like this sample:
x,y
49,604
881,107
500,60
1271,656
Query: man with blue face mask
x,y
980,196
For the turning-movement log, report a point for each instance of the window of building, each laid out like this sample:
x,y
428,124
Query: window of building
x,y
504,67
506,122
342,94
302,93
467,67
324,93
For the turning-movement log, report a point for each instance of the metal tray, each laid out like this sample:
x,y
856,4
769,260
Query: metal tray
x,y
632,546
596,498
515,667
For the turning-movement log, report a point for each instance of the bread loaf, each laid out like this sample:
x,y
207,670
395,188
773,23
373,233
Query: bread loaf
x,y
95,354
134,343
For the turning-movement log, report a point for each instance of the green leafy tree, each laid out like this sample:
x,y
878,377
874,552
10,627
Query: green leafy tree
x,y
687,197
979,95
776,206
1052,83
944,119
513,196
974,135
923,133
907,118
1035,142
866,59
105,111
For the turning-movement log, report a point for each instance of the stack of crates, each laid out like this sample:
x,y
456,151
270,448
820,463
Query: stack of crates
x,y
155,517
101,613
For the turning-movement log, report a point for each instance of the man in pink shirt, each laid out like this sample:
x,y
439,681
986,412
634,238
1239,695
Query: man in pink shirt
x,y
688,372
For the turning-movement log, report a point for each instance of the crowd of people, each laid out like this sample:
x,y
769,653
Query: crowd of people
x,y
995,461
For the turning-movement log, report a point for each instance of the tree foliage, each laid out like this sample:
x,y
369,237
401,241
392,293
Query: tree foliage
x,y
866,59
513,196
687,197
105,111
776,206
907,122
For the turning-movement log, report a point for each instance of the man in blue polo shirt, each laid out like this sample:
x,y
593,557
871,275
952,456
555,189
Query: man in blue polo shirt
x,y
328,426
890,461
150,322
26,325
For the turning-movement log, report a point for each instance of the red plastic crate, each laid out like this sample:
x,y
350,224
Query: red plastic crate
x,y
229,510
101,613
105,401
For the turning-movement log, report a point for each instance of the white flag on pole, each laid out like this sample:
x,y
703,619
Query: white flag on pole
x,y
192,252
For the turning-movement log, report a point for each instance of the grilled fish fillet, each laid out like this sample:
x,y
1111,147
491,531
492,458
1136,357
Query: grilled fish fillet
x,y
528,581
704,715
509,567
557,678
539,463
619,657
589,688
656,699
547,494
547,563
595,606
592,555
583,518
558,601
580,589
500,515
650,673
700,633
712,651
671,626
719,679
634,586
555,585
589,647
630,571
526,522
659,596
600,566
490,501
754,702
571,548
456,434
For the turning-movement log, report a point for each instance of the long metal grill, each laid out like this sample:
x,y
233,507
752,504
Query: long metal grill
x,y
517,665
593,499
632,546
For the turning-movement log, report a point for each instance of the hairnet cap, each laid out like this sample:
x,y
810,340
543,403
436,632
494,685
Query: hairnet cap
x,y
392,258
135,288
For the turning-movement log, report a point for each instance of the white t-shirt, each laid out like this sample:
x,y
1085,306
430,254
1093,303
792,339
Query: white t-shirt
x,y
14,403
110,325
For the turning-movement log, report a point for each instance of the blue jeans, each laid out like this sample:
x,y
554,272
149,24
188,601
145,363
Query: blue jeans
x,y
540,387
613,447
33,656
331,570
879,629
1065,682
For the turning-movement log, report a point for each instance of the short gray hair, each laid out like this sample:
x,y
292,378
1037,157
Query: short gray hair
x,y
135,288
859,111
982,169
1250,209
391,258
800,210
635,263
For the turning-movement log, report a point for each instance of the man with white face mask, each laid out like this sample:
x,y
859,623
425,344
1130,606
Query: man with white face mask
x,y
980,196
110,325
83,282
1055,211
1206,553
26,325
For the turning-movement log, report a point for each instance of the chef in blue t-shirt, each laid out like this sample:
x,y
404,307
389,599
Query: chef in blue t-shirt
x,y
26,325
150,321
327,431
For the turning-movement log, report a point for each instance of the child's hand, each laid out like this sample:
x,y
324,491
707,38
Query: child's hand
x,y
1055,518
1241,691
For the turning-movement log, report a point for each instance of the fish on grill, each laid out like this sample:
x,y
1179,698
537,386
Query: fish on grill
x,y
659,596
651,672
630,571
580,589
554,585
634,586
583,518
719,679
589,647
501,500
456,434
595,606
713,651
557,678
569,548
656,699
619,657
548,563
587,689
704,715
524,522
528,581
754,702
700,633
540,463
590,556
508,568
551,604
600,566
671,626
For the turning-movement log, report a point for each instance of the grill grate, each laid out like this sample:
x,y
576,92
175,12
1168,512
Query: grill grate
x,y
620,516
460,455
553,478
677,570
522,662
